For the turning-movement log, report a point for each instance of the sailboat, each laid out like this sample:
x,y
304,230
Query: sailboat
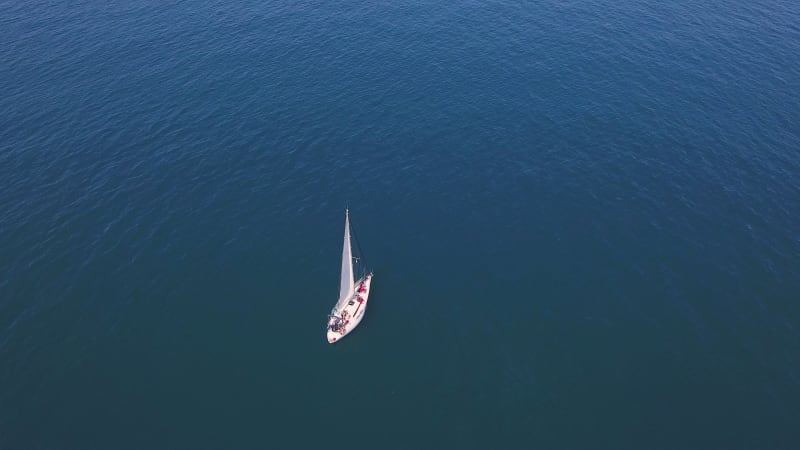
x,y
353,293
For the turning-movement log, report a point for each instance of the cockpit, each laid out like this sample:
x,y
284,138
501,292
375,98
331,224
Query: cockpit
x,y
335,323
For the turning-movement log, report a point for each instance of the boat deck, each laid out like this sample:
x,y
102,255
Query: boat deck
x,y
353,311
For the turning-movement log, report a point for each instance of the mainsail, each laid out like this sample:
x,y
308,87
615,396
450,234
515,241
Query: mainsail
x,y
346,284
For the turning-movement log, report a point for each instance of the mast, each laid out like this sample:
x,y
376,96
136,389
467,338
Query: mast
x,y
346,283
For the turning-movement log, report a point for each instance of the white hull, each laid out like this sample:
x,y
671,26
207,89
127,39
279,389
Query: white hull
x,y
352,312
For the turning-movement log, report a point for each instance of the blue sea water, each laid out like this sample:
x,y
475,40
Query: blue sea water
x,y
583,218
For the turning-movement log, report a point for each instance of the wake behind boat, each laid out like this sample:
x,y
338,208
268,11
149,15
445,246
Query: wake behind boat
x,y
352,304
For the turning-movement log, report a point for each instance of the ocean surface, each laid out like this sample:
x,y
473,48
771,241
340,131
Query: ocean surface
x,y
583,218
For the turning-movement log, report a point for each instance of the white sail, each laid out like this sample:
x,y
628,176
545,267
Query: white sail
x,y
346,285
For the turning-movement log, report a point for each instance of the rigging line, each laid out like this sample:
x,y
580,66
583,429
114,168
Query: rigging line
x,y
354,237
